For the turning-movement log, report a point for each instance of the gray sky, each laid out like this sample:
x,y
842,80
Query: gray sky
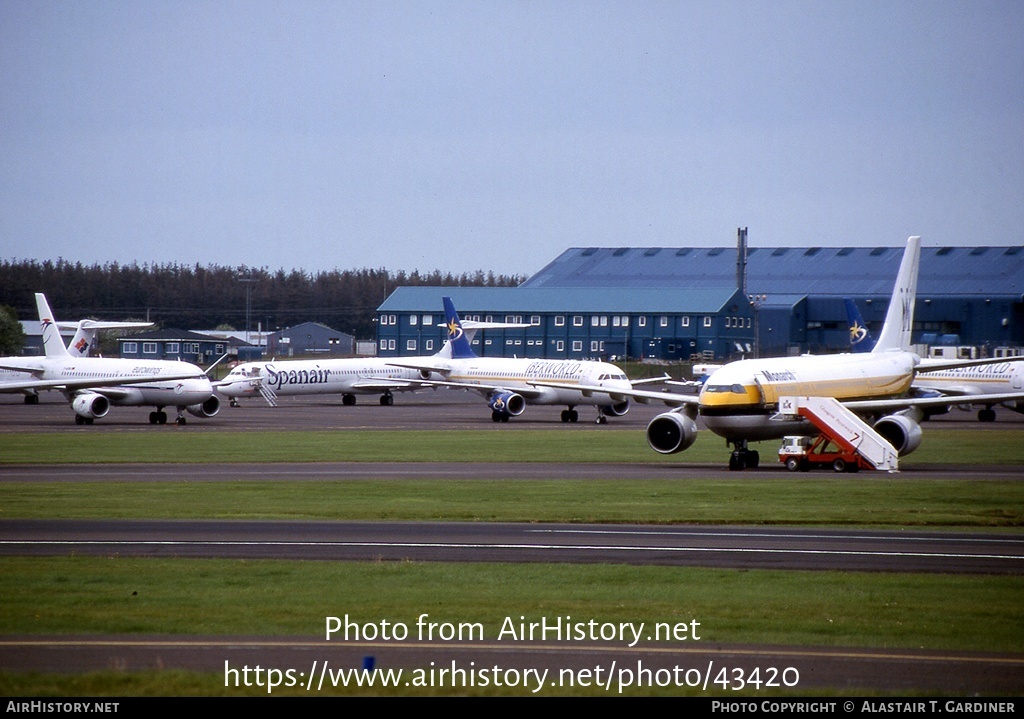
x,y
493,135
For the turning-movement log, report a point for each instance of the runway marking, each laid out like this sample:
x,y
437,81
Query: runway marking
x,y
448,545
770,535
808,653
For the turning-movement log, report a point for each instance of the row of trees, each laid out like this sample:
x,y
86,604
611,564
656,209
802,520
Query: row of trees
x,y
198,297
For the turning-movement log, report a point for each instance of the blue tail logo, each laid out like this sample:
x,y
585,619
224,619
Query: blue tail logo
x,y
860,338
456,335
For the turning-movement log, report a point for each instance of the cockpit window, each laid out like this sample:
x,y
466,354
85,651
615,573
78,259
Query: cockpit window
x,y
723,388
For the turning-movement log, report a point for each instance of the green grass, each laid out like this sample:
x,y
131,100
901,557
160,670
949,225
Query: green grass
x,y
79,595
196,445
783,500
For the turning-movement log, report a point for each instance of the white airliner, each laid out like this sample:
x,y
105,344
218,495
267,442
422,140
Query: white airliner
x,y
347,377
740,400
964,382
509,384
93,384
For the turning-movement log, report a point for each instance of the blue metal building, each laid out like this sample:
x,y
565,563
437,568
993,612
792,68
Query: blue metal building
x,y
681,303
572,323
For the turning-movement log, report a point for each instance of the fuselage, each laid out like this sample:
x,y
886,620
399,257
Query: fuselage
x,y
520,373
979,379
298,377
169,393
738,401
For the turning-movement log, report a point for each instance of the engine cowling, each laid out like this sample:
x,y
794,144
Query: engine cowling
x,y
209,408
616,410
508,403
671,432
901,431
91,405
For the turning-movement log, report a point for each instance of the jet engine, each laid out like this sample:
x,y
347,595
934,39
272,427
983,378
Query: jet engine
x,y
671,432
901,431
616,410
209,408
508,404
91,405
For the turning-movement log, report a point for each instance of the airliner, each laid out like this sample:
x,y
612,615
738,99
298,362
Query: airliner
x,y
964,382
740,400
347,377
93,384
510,384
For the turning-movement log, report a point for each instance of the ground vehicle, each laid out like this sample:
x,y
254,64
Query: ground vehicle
x,y
800,453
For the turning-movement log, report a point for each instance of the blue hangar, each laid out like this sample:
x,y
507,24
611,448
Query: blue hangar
x,y
719,303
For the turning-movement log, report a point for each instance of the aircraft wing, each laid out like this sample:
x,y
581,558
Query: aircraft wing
x,y
671,399
484,389
383,384
427,364
934,365
891,405
90,383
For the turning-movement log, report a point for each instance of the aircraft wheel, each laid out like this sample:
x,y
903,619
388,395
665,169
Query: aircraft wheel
x,y
180,420
792,464
79,419
987,415
350,399
753,459
839,464
161,417
737,462
565,415
495,416
601,419
152,418
573,415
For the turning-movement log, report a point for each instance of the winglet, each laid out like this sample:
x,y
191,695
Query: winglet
x,y
456,336
899,318
53,344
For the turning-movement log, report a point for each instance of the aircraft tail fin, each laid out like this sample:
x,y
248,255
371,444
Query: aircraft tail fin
x,y
53,344
460,347
860,338
899,318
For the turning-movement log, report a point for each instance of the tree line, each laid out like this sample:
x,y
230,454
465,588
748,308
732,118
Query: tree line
x,y
205,297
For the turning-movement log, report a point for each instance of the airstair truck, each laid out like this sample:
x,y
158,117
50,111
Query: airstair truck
x,y
845,442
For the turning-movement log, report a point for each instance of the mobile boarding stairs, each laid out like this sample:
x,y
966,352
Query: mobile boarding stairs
x,y
857,445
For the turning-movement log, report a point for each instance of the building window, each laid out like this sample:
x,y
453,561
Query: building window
x,y
191,348
577,345
707,321
593,346
559,320
172,348
685,321
663,321
149,348
429,345
391,345
410,345
642,321
535,320
131,348
577,320
413,319
383,346
560,346
428,320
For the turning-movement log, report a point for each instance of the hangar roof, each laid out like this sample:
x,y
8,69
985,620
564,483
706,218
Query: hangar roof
x,y
612,299
858,271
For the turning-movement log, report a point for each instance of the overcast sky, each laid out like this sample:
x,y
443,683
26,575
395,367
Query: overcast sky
x,y
493,135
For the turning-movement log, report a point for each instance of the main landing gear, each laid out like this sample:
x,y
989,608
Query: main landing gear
x,y
570,415
742,457
386,400
160,417
987,415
